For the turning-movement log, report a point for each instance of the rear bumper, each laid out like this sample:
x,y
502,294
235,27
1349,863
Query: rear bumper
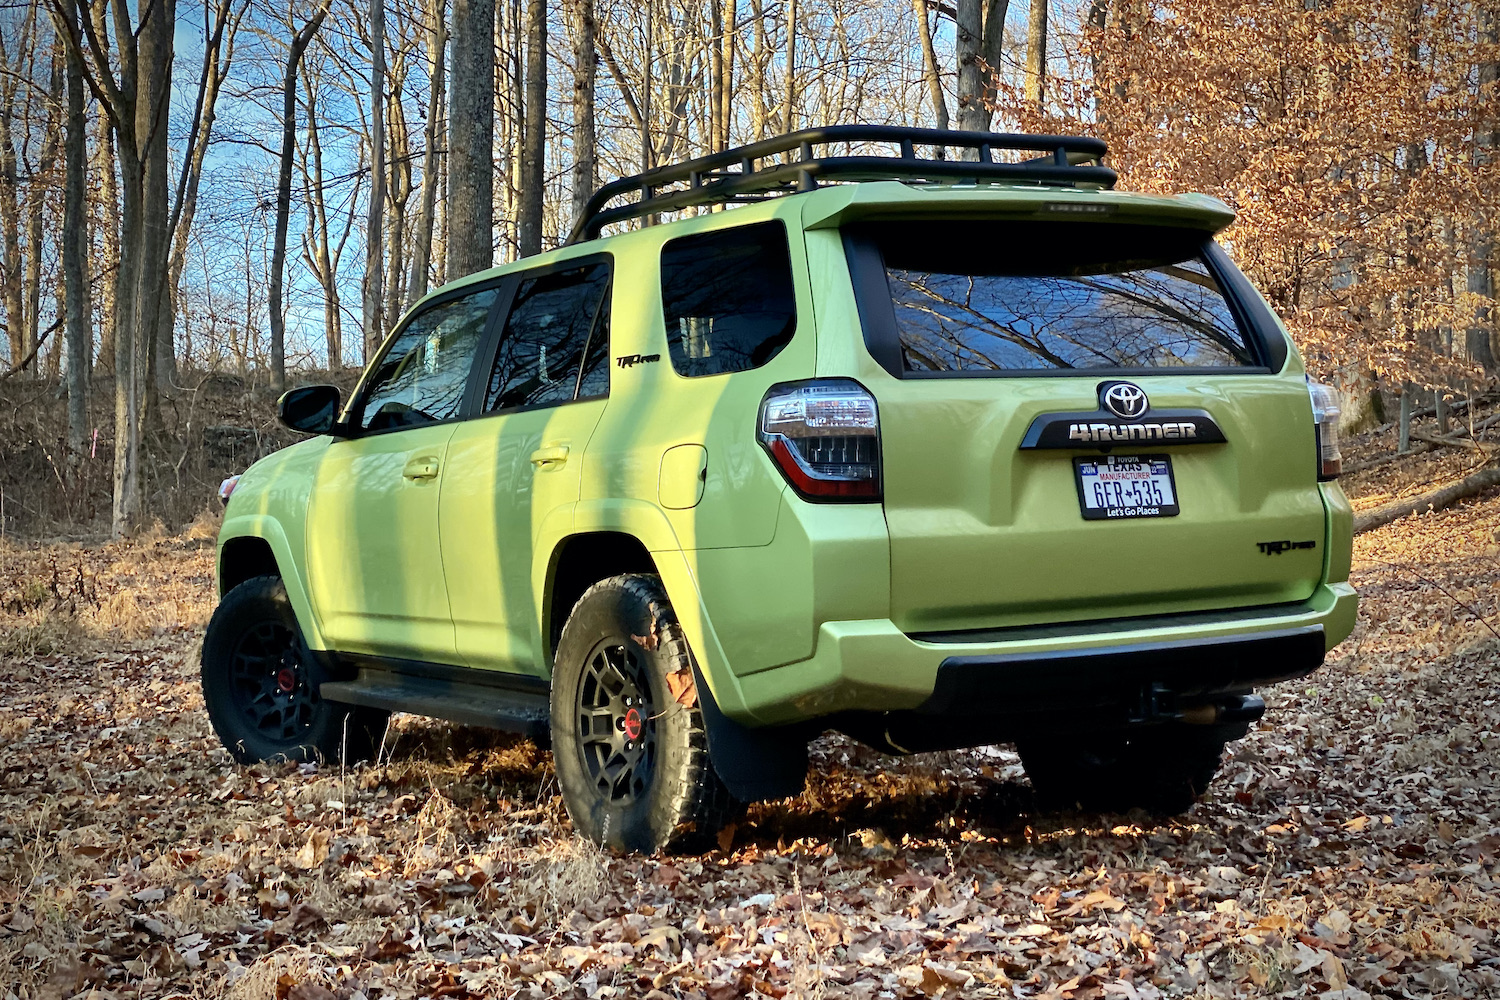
x,y
872,666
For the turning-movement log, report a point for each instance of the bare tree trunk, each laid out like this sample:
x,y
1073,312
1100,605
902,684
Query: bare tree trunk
x,y
10,214
585,71
105,167
300,40
968,39
715,74
1480,279
533,179
74,279
1036,55
1403,422
760,113
153,243
398,140
374,304
644,120
138,106
991,50
440,234
930,63
726,84
789,97
37,203
471,137
421,251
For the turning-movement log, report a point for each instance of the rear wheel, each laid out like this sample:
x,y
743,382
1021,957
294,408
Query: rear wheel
x,y
631,758
1162,769
260,685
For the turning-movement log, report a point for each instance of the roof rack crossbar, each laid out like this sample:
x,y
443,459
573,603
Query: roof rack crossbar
x,y
713,180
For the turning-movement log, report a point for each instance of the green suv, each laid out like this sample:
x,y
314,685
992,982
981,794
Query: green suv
x,y
935,440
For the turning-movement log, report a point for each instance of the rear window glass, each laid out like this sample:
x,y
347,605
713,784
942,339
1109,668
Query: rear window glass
x,y
728,298
552,329
1046,296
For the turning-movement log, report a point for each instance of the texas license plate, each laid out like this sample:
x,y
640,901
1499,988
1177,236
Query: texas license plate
x,y
1125,486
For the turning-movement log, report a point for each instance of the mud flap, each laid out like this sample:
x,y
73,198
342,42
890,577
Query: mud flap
x,y
754,764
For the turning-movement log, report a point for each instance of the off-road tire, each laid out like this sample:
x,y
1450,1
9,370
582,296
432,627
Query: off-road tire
x,y
1161,769
657,791
260,685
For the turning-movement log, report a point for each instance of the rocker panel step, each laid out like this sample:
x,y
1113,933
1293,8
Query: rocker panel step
x,y
513,703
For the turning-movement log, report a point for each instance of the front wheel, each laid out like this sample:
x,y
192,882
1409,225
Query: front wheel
x,y
628,736
1161,769
261,691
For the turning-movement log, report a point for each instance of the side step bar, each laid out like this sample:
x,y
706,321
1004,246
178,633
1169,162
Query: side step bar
x,y
513,703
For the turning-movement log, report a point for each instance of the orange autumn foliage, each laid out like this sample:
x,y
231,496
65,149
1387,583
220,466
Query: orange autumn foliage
x,y
1353,139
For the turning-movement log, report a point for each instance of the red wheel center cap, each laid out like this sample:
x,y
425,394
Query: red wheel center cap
x,y
286,679
633,724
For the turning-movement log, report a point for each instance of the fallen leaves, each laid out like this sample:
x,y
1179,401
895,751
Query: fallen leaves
x,y
682,687
313,853
1351,848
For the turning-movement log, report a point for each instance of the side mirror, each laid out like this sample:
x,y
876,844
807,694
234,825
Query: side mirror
x,y
312,409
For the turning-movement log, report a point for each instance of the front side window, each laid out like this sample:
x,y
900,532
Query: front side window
x,y
555,345
728,298
1023,296
421,379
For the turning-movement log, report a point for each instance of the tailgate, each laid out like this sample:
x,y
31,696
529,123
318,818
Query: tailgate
x,y
1085,423
986,534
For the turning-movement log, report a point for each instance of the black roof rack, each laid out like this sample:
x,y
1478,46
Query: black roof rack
x,y
736,175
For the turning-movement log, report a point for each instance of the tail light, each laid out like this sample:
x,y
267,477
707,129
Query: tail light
x,y
824,436
226,488
1325,405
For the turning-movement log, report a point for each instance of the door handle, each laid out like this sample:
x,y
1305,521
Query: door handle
x,y
554,455
421,468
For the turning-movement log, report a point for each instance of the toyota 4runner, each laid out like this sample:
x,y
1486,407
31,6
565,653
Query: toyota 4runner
x,y
935,450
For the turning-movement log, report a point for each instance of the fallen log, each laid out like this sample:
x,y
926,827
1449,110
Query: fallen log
x,y
1431,411
1452,442
1376,463
1447,496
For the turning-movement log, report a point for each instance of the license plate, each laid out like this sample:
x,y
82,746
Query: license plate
x,y
1125,486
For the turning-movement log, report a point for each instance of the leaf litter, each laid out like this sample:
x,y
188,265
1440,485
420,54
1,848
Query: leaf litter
x,y
1350,849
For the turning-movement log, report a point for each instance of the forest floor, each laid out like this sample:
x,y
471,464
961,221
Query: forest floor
x,y
1351,847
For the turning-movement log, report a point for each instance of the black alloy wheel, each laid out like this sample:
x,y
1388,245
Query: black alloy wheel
x,y
632,759
617,723
260,685
271,682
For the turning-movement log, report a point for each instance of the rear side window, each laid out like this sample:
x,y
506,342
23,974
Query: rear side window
x,y
421,379
728,298
1056,296
555,340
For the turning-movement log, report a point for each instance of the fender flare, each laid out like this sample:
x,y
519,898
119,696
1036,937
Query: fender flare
x,y
269,530
645,522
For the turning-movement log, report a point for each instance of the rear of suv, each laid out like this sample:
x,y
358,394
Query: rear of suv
x,y
937,452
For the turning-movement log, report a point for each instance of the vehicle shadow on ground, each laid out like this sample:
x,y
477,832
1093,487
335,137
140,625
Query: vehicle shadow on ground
x,y
855,798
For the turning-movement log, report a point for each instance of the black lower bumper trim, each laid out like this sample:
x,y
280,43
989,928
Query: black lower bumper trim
x,y
1032,683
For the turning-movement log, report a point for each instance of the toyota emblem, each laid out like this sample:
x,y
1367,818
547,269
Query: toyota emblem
x,y
1123,399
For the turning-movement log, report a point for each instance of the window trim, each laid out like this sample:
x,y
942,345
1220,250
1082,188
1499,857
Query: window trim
x,y
490,346
354,410
792,272
877,319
